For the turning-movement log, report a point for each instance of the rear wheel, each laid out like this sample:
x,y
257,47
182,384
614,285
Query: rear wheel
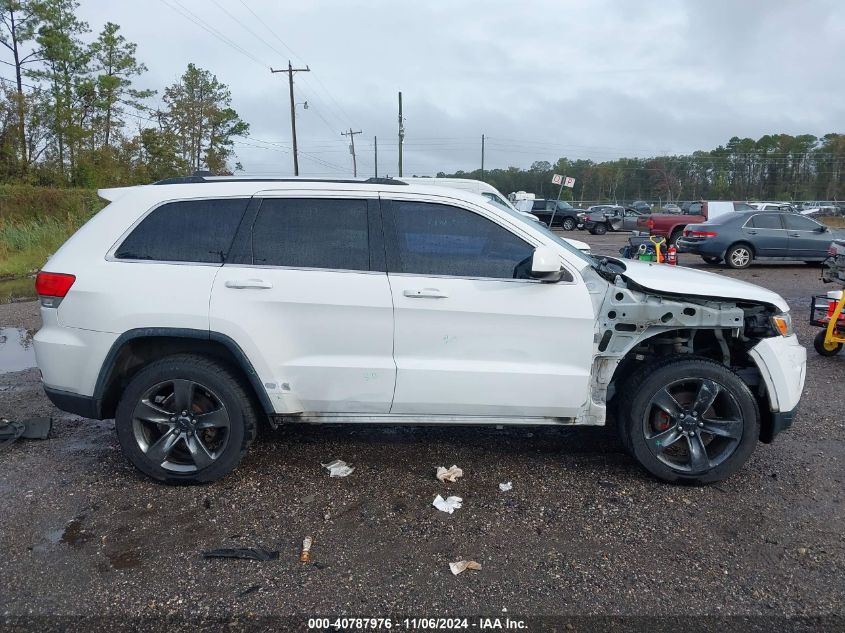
x,y
599,229
826,349
689,421
739,256
569,224
185,419
674,237
711,260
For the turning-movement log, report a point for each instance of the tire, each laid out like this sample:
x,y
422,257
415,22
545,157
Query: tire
x,y
815,263
680,449
674,237
711,260
149,417
599,229
824,350
569,224
739,256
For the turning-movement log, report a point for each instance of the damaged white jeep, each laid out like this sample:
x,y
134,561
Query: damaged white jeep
x,y
195,309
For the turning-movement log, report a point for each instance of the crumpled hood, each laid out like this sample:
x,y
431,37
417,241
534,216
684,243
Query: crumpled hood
x,y
678,280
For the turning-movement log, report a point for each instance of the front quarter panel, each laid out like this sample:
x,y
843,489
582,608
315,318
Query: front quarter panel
x,y
782,362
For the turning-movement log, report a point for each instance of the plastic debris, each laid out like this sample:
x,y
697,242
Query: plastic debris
x,y
449,504
30,429
248,553
505,487
338,468
305,556
449,474
463,565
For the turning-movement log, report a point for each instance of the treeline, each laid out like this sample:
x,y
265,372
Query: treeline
x,y
71,113
774,167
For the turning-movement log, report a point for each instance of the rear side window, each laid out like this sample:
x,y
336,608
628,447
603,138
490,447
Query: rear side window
x,y
539,205
437,239
187,231
694,209
766,221
311,233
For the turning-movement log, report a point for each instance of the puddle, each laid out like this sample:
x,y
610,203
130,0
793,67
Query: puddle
x,y
16,351
13,290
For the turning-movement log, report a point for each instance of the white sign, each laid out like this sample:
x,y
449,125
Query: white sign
x,y
569,182
557,179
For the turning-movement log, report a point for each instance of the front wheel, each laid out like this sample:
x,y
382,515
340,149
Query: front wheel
x,y
569,224
185,419
739,256
689,421
826,349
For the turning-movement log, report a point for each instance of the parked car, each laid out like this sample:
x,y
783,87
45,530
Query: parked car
x,y
640,205
820,209
194,310
773,206
559,212
603,218
671,226
740,238
671,208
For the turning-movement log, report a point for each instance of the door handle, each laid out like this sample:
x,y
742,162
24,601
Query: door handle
x,y
258,284
794,235
425,293
752,232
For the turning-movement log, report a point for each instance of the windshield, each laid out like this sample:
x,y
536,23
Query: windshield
x,y
539,226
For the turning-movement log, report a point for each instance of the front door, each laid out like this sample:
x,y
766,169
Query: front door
x,y
305,295
473,336
806,237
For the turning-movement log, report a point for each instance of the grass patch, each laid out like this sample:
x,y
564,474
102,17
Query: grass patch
x,y
837,222
35,221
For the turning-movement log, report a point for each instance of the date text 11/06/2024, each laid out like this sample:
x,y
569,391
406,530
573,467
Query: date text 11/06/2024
x,y
417,624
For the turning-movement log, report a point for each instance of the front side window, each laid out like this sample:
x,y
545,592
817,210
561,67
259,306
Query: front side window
x,y
799,223
186,231
311,233
436,239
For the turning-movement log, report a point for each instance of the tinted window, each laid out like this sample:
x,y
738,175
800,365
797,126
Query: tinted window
x,y
694,209
766,221
798,223
311,233
539,205
187,231
436,239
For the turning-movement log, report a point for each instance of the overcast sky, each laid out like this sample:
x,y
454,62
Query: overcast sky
x,y
541,79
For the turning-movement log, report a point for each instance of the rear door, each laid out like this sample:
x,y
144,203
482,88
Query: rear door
x,y
473,336
806,237
306,296
766,234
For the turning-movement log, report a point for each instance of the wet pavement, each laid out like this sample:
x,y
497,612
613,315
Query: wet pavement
x,y
16,351
583,531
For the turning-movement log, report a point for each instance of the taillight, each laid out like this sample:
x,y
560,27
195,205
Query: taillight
x,y
650,223
53,284
700,234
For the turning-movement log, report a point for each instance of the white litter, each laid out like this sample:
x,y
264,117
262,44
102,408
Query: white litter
x,y
505,487
449,504
449,474
338,468
463,565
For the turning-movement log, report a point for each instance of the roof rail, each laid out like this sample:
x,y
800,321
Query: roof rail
x,y
207,177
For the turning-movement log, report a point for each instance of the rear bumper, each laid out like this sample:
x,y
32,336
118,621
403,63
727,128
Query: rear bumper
x,y
706,247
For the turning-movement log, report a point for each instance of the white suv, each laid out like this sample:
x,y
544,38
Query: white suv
x,y
194,309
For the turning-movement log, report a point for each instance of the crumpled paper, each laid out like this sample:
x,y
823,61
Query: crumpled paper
x,y
505,487
338,468
449,504
463,565
449,474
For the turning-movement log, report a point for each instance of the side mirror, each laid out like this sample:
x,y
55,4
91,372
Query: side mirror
x,y
823,229
545,264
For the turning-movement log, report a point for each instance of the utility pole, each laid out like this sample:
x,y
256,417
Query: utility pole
x,y
290,70
401,133
351,136
375,146
482,157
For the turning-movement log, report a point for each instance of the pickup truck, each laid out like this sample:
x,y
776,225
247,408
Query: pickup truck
x,y
671,225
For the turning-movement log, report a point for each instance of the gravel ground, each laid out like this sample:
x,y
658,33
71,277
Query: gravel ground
x,y
583,531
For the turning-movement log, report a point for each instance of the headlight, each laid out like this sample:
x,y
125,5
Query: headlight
x,y
783,324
